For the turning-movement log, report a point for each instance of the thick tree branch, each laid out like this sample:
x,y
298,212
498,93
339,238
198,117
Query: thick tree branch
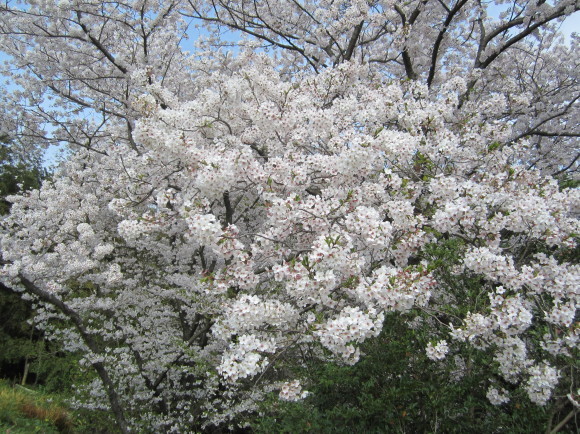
x,y
229,209
353,41
439,39
99,367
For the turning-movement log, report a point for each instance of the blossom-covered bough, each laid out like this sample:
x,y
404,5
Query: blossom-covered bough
x,y
227,213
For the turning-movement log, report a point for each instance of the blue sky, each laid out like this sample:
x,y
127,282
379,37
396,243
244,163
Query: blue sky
x,y
571,24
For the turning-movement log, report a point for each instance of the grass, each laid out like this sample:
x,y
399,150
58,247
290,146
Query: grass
x,y
27,411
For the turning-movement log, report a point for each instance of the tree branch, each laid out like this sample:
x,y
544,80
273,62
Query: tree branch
x,y
100,46
229,209
353,40
99,367
439,39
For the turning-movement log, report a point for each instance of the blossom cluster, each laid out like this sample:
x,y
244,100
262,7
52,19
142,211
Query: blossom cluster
x,y
437,352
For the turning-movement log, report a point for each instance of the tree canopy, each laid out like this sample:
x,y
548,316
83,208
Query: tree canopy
x,y
234,210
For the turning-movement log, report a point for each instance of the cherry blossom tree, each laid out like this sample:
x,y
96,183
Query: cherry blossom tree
x,y
229,212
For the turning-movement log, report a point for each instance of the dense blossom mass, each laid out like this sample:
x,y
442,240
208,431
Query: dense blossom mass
x,y
229,210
